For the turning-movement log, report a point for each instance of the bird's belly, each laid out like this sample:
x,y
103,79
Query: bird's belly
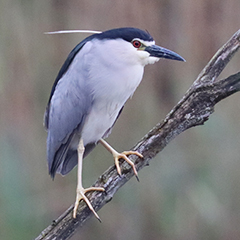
x,y
109,94
99,120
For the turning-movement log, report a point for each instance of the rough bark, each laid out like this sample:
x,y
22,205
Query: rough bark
x,y
193,109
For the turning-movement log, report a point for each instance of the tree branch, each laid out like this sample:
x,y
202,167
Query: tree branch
x,y
193,109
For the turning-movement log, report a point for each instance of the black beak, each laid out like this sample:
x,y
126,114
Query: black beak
x,y
160,52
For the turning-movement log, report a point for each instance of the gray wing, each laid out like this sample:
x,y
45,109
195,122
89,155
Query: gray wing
x,y
62,71
67,110
65,114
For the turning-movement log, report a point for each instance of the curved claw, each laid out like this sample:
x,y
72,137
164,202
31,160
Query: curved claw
x,y
124,155
81,195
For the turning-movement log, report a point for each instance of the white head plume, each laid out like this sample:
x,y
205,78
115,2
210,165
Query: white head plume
x,y
72,31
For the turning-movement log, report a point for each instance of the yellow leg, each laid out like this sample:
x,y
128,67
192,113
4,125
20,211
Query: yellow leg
x,y
117,156
80,190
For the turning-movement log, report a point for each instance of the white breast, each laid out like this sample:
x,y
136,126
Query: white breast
x,y
111,85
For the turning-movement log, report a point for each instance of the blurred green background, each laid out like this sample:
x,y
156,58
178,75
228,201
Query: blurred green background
x,y
191,190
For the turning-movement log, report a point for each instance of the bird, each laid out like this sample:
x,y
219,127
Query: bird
x,y
99,75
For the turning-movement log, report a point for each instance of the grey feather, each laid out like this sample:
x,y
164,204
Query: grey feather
x,y
62,71
66,116
71,159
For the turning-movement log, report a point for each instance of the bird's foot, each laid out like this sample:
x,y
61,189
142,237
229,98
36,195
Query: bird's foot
x,y
124,155
117,156
81,195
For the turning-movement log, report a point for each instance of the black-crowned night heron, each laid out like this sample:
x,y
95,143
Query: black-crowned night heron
x,y
91,88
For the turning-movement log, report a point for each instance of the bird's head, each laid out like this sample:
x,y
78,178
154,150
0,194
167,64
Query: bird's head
x,y
135,45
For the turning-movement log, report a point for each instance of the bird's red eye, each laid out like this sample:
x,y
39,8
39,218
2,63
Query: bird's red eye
x,y
136,44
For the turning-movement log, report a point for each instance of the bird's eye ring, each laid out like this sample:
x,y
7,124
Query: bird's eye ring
x,y
136,44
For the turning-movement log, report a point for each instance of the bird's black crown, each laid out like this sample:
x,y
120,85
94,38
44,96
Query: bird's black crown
x,y
127,33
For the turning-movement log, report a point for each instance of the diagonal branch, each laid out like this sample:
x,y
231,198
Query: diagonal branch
x,y
193,109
